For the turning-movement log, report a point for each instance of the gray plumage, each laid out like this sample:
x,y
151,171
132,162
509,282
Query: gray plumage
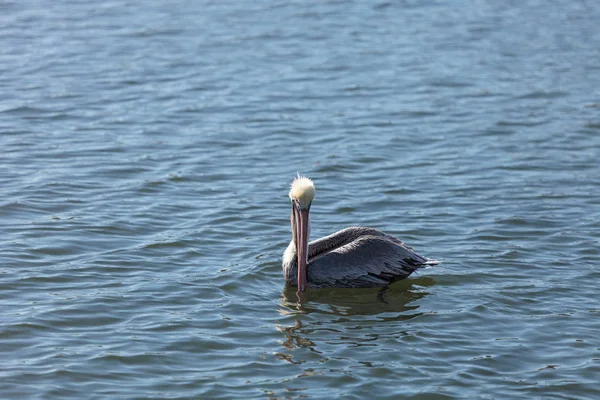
x,y
354,257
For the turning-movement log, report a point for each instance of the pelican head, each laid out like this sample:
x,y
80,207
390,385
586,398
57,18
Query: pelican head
x,y
302,193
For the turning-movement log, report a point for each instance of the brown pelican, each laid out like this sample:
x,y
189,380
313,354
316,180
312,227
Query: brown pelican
x,y
353,257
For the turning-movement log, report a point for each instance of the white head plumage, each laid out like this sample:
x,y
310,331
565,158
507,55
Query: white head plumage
x,y
302,191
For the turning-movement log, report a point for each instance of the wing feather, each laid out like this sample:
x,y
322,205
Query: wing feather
x,y
365,260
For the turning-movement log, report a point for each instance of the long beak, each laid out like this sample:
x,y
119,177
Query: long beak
x,y
302,243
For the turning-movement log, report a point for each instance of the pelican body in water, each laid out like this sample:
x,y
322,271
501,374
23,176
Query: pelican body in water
x,y
353,257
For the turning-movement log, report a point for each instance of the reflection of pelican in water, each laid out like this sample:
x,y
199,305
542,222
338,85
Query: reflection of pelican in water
x,y
347,302
343,305
353,257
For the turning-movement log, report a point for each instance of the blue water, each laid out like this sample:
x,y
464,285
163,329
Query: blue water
x,y
147,150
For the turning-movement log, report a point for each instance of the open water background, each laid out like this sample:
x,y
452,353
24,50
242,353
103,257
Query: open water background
x,y
146,153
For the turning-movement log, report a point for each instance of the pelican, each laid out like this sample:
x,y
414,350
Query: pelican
x,y
353,257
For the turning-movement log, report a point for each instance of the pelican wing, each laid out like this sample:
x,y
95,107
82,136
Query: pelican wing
x,y
367,260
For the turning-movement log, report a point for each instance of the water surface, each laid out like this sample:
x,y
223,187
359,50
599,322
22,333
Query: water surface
x,y
146,155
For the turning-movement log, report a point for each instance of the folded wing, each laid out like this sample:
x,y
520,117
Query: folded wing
x,y
361,257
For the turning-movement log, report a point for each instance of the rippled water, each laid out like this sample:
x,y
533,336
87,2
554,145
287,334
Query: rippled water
x,y
147,148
